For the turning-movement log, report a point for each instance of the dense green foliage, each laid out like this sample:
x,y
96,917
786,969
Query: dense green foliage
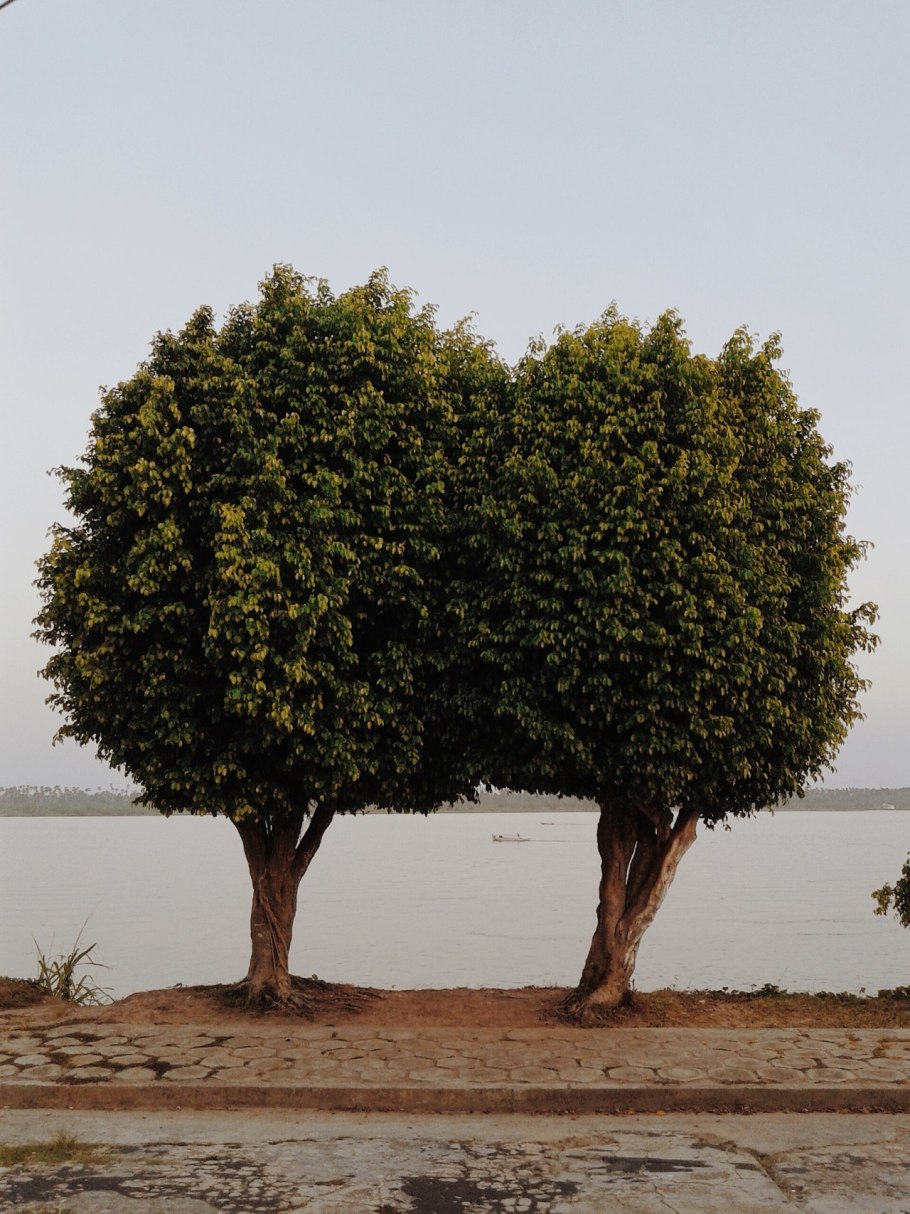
x,y
245,613
657,610
320,552
895,897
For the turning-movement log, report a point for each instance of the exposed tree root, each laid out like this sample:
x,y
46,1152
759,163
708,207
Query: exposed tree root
x,y
579,1009
309,998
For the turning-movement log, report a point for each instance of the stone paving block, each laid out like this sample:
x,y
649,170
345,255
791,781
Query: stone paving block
x,y
423,1074
116,1050
184,1074
21,1043
266,1066
457,1062
316,1032
733,1074
31,1060
774,1073
82,1060
49,1071
885,1066
798,1060
489,1075
828,1075
504,1053
135,1074
533,1074
253,1051
313,1066
424,1051
580,1074
214,1058
392,1034
236,1074
676,1074
123,1060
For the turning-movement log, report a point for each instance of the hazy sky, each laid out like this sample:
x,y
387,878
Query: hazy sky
x,y
745,163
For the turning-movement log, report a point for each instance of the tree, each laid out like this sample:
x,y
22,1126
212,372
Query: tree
x,y
245,612
896,897
652,598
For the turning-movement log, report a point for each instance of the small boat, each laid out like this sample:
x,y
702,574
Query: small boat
x,y
510,839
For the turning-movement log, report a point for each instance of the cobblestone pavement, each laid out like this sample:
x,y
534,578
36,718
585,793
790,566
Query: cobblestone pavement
x,y
266,1163
453,1069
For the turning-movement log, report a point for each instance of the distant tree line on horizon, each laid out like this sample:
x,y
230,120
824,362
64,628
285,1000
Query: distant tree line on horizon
x,y
37,801
54,800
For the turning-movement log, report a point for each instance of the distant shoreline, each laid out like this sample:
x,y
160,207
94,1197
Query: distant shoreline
x,y
31,801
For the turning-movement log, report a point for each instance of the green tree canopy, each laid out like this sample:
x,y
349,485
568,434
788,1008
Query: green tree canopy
x,y
245,613
656,602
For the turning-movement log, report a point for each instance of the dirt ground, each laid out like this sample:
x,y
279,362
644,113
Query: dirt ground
x,y
527,1007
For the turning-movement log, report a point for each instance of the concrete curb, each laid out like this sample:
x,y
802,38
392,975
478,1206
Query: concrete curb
x,y
214,1096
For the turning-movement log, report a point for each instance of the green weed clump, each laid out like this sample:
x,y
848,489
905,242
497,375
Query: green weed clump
x,y
58,975
63,1148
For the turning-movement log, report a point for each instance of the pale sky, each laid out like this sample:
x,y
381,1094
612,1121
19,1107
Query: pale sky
x,y
526,161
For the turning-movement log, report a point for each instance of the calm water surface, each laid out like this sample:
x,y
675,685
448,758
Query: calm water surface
x,y
414,902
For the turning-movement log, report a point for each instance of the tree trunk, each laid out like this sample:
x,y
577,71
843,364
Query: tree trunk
x,y
277,858
639,853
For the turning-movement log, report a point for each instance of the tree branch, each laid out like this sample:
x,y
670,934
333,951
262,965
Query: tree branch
x,y
320,820
664,863
660,819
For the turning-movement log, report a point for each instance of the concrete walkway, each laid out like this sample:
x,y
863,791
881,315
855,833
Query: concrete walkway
x,y
304,1162
452,1070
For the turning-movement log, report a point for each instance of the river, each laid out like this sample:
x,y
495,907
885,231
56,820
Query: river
x,y
413,902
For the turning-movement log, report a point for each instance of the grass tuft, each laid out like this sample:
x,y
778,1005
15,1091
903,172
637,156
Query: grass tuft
x,y
58,975
63,1148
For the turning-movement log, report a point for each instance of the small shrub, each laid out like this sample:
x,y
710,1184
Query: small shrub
x,y
57,975
895,993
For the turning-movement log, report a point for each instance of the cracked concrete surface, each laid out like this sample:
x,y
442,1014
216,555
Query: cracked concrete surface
x,y
282,1163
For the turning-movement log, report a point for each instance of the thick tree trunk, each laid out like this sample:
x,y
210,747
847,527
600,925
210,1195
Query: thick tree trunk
x,y
639,853
277,858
